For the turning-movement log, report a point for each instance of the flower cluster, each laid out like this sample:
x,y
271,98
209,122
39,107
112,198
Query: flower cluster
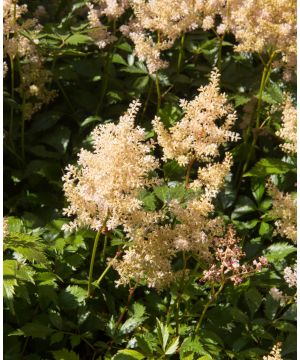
x,y
288,131
194,139
275,353
97,31
197,136
156,24
106,183
227,265
284,210
290,276
34,78
278,295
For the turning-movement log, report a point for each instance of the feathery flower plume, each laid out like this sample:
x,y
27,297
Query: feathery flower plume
x,y
228,255
34,78
98,32
290,275
197,136
284,210
106,182
275,353
288,131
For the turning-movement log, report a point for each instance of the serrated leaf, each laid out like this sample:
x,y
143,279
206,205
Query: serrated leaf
x,y
75,340
163,334
277,252
140,83
240,100
144,344
257,188
269,166
265,229
134,70
117,59
254,299
72,297
78,39
36,330
91,119
65,354
56,338
244,206
271,307
172,347
131,324
167,193
128,354
290,314
149,200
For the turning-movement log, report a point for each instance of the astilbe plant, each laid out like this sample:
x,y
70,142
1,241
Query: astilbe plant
x,y
103,190
188,209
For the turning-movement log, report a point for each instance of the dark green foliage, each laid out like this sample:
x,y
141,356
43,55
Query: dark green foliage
x,y
47,314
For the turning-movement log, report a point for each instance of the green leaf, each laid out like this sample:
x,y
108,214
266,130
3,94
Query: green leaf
x,y
172,347
271,307
134,70
240,100
277,252
36,330
173,171
243,207
140,83
91,119
149,200
166,193
117,59
257,188
290,314
58,139
78,39
254,299
128,354
56,338
163,334
132,323
75,340
65,354
289,344
72,297
284,326
29,246
145,344
269,166
265,229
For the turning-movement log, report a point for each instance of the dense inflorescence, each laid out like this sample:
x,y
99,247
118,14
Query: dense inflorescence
x,y
104,187
20,46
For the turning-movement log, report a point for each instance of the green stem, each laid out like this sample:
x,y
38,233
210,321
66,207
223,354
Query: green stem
x,y
264,80
104,248
23,129
181,53
179,294
219,61
148,98
210,301
107,268
22,111
158,92
131,292
93,261
12,92
104,83
188,173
